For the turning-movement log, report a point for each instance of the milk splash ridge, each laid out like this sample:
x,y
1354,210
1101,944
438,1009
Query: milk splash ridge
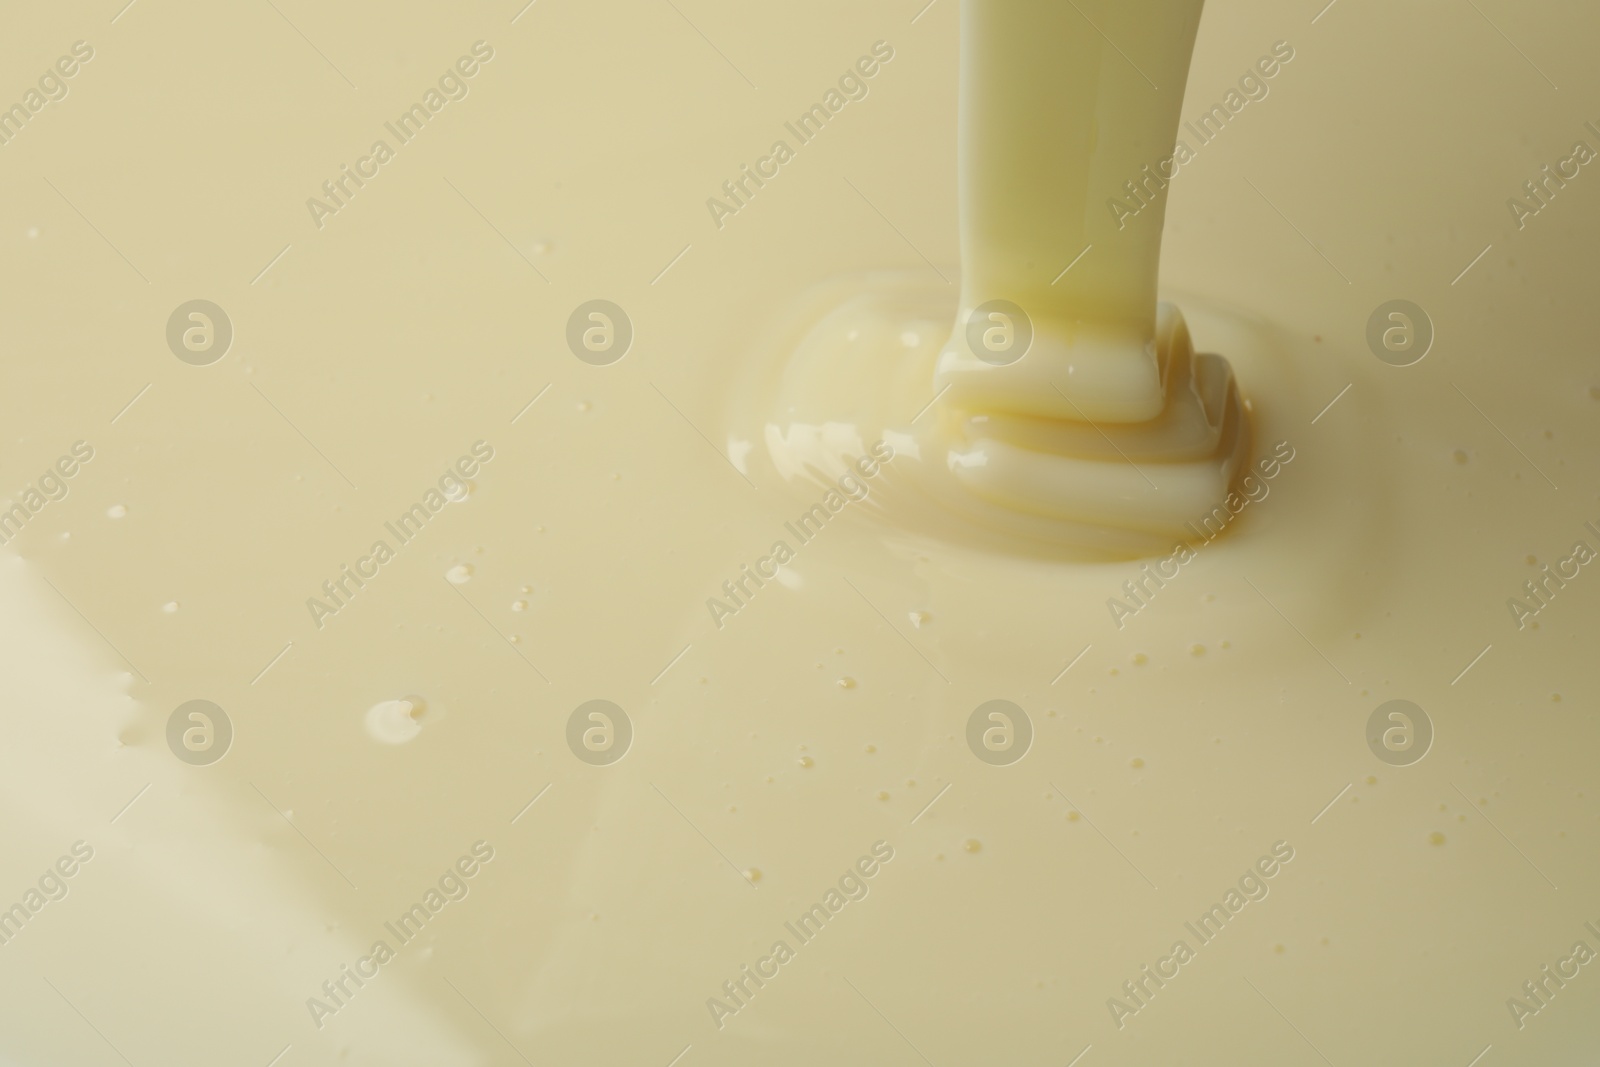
x,y
1068,407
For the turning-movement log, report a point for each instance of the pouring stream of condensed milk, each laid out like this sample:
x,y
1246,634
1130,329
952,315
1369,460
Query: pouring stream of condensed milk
x,y
1071,406
592,727
1054,122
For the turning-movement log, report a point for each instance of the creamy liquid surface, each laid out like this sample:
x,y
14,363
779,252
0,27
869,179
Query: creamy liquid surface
x,y
830,712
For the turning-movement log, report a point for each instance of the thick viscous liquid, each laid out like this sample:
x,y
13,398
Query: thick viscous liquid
x,y
1054,121
1186,733
1069,410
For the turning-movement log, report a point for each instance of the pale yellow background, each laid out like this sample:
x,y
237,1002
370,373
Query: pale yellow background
x,y
406,329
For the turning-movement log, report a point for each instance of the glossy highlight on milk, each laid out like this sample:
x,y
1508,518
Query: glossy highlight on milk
x,y
1068,397
1337,668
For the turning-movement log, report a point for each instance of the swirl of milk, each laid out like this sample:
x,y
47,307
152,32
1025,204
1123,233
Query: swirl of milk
x,y
1109,417
1069,408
